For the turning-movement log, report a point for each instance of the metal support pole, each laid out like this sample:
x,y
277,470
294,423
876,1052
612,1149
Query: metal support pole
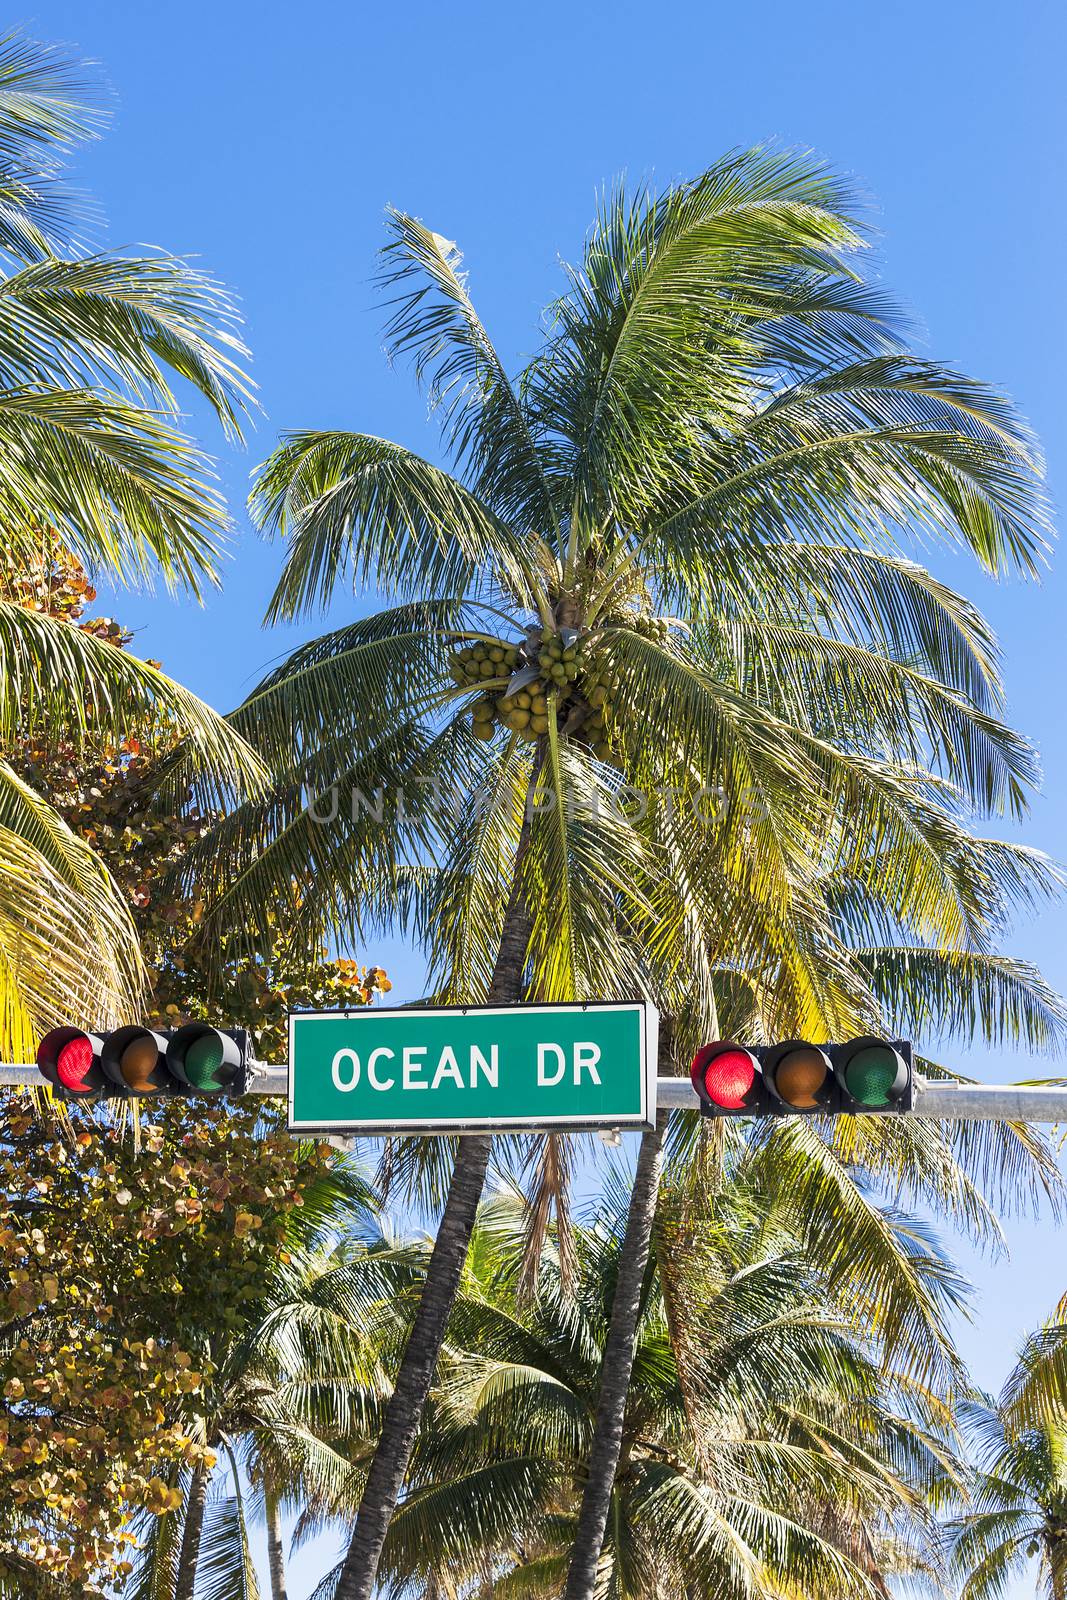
x,y
950,1102
939,1101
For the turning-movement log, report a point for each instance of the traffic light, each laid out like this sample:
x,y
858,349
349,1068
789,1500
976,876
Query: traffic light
x,y
133,1063
797,1078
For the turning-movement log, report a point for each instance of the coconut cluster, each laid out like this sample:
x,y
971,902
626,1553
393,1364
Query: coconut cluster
x,y
484,658
655,628
584,688
598,689
564,665
525,712
560,663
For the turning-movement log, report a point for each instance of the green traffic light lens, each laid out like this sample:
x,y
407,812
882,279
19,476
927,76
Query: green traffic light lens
x,y
202,1061
871,1074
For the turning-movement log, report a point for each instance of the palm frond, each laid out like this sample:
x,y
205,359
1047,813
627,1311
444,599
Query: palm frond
x,y
226,1570
466,896
59,680
900,1278
966,994
122,488
45,98
68,947
876,704
351,505
48,102
909,443
1014,1163
100,321
864,597
1035,1394
155,1568
659,300
451,1526
485,425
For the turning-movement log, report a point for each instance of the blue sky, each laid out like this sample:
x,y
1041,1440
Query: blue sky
x,y
266,139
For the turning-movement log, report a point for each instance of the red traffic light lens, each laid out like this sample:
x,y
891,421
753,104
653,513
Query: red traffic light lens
x,y
799,1076
727,1075
74,1064
69,1059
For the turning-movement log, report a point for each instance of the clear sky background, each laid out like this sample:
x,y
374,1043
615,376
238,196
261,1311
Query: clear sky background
x,y
267,138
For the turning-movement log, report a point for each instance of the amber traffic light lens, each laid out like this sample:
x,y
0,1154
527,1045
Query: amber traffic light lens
x,y
800,1076
138,1064
133,1060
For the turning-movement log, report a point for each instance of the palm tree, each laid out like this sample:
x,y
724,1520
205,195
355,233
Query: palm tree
x,y
286,1375
1017,1506
665,566
328,1344
92,461
782,1456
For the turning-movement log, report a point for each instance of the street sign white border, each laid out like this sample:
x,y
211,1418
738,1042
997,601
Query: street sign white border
x,y
377,1127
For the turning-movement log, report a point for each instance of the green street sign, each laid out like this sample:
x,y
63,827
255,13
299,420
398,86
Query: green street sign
x,y
473,1068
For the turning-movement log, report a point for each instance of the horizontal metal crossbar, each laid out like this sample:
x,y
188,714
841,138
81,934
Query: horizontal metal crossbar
x,y
950,1102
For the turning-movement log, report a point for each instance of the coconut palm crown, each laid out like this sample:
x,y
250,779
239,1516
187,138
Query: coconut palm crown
x,y
660,705
1015,1514
661,598
95,462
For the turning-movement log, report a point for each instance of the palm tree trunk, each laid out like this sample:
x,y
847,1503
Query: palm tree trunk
x,y
404,1412
1057,1566
191,1534
616,1368
275,1549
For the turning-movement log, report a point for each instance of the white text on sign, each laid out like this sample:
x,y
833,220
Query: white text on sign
x,y
384,1067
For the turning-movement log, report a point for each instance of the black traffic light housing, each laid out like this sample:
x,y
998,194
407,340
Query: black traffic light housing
x,y
865,1076
135,1062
